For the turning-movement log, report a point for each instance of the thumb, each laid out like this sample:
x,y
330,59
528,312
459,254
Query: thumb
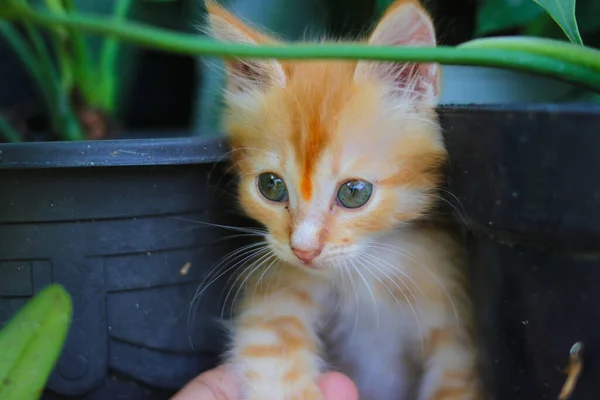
x,y
337,386
216,384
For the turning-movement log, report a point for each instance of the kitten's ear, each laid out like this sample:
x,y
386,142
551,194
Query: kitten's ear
x,y
243,74
405,23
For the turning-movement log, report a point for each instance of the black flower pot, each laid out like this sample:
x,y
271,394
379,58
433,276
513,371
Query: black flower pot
x,y
116,223
527,182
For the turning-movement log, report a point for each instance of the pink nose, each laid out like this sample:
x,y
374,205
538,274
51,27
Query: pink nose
x,y
306,255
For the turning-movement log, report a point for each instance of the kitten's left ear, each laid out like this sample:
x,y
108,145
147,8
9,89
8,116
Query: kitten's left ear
x,y
405,23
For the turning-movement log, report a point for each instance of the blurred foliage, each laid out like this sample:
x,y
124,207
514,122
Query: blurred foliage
x,y
31,343
557,19
563,12
100,70
77,80
498,15
85,80
290,20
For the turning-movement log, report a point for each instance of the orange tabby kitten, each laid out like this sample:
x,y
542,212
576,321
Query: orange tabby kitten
x,y
340,161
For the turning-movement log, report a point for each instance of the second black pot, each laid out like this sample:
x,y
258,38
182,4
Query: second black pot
x,y
117,222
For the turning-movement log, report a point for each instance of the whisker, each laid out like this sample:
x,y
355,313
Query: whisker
x,y
368,286
461,214
258,283
343,286
382,282
247,263
234,228
355,295
417,319
393,268
240,252
246,253
255,266
404,253
238,236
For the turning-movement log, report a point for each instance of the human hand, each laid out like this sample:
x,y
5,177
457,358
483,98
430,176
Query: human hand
x,y
220,384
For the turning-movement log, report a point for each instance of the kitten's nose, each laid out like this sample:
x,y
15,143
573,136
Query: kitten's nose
x,y
306,256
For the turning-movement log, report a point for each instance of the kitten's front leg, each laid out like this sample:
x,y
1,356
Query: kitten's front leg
x,y
275,347
451,371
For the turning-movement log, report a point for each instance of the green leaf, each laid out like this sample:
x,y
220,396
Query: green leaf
x,y
9,133
563,12
11,8
381,6
31,343
498,15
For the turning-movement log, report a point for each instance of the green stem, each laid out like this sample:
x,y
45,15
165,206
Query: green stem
x,y
60,41
584,56
83,69
25,53
108,61
63,119
9,133
558,66
37,62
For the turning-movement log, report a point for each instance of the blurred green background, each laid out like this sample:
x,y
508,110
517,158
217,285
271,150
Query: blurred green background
x,y
164,94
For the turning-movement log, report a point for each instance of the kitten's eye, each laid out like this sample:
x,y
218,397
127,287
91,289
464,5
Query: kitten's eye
x,y
354,193
272,187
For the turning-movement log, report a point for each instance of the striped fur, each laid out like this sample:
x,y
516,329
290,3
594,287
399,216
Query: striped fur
x,y
384,300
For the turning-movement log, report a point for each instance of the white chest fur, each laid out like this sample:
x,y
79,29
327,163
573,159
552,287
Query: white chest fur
x,y
372,340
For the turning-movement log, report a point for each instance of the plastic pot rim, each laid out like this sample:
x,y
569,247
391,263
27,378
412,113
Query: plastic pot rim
x,y
201,150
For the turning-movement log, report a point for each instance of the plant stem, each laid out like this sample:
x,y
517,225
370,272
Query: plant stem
x,y
558,66
10,134
108,61
35,64
40,66
84,75
60,41
25,53
63,119
585,56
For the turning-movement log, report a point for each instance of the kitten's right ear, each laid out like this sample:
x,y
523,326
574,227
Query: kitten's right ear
x,y
243,74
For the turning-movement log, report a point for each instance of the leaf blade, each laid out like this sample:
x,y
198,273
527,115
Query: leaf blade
x,y
31,343
498,15
563,13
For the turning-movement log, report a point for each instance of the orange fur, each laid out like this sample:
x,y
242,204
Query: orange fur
x,y
447,393
317,125
394,6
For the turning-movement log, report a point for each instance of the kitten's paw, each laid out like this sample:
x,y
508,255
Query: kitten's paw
x,y
311,392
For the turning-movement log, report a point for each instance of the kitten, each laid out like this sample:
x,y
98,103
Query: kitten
x,y
340,161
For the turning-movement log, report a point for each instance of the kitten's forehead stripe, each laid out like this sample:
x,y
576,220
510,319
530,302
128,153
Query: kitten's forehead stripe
x,y
319,91
314,139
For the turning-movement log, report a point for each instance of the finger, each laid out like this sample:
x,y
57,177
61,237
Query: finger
x,y
216,384
337,386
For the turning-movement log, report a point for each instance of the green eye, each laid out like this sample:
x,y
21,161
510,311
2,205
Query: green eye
x,y
354,193
272,187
